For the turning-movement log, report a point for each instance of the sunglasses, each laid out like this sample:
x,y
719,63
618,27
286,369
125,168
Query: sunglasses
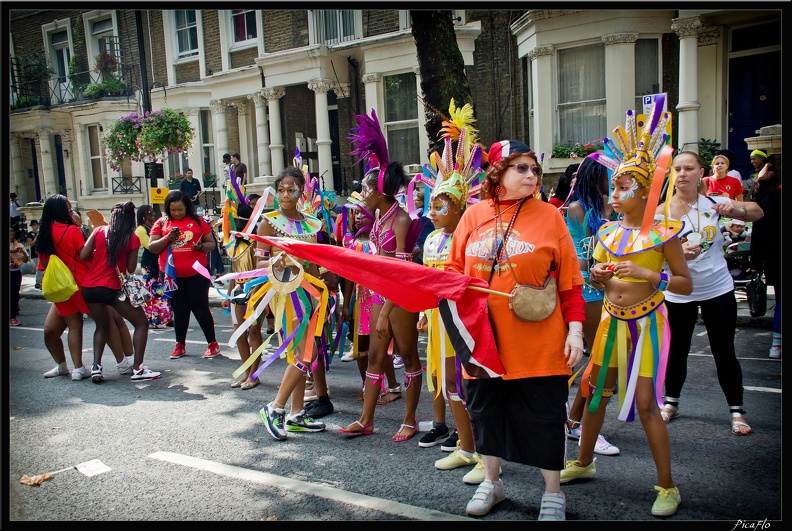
x,y
522,168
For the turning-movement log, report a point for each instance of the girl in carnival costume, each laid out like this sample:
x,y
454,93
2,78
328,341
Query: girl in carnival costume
x,y
587,210
632,340
457,183
358,299
298,299
393,234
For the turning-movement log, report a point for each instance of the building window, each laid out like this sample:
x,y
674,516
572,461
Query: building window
x,y
647,66
106,41
401,118
98,175
61,56
243,24
178,164
331,26
186,33
581,98
207,142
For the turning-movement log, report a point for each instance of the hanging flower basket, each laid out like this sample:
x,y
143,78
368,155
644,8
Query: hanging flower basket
x,y
150,137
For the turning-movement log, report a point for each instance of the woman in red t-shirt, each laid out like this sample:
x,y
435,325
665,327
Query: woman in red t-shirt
x,y
189,238
113,250
60,235
721,185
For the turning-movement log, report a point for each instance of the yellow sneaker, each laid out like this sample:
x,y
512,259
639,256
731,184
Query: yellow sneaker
x,y
456,460
576,470
667,501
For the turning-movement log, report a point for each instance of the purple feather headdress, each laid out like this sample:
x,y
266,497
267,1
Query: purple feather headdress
x,y
369,145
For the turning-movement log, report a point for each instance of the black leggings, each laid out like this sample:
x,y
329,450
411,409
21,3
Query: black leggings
x,y
15,285
720,319
192,296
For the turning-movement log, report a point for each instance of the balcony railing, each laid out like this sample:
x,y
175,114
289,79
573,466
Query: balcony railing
x,y
127,185
77,86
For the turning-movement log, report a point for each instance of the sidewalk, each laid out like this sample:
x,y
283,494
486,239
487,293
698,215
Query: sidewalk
x,y
743,315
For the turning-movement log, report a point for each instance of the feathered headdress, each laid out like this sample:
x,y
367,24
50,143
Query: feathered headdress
x,y
312,201
641,149
369,145
456,174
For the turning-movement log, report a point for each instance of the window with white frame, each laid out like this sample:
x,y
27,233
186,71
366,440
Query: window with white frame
x,y
647,67
61,54
331,26
243,25
178,164
186,27
98,169
207,142
581,94
401,118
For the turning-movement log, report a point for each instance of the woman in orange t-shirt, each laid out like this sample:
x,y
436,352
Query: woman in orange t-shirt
x,y
512,237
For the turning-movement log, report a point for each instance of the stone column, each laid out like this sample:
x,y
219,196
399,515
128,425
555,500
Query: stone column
x,y
245,142
687,30
72,186
195,158
542,128
620,86
17,181
44,151
372,84
262,134
218,109
273,95
83,159
323,141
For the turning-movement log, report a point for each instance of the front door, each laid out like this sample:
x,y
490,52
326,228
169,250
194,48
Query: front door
x,y
754,101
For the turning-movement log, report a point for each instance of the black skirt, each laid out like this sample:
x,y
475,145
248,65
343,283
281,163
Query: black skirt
x,y
520,420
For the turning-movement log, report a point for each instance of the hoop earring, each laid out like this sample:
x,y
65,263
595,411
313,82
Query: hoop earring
x,y
500,190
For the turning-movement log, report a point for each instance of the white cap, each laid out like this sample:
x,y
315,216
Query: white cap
x,y
737,222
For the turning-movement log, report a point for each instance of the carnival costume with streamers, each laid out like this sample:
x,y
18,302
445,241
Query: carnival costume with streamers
x,y
636,338
298,300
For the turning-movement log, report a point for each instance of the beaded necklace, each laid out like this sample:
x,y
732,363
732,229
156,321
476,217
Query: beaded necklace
x,y
303,228
694,206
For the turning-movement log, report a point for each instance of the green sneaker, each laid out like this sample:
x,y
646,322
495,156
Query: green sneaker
x,y
576,470
302,422
667,501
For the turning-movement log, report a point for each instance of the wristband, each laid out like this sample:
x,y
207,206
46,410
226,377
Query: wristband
x,y
261,252
404,256
663,284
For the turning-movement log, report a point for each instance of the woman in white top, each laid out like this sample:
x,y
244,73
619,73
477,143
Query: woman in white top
x,y
713,289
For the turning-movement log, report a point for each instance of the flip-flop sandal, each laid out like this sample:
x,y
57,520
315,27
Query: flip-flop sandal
x,y
669,412
382,399
402,438
367,429
737,424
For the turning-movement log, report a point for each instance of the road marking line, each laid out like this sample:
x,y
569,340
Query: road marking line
x,y
763,389
323,491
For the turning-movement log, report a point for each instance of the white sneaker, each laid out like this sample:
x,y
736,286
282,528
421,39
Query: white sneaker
x,y
60,370
348,357
126,366
79,374
553,506
487,495
775,352
143,374
575,433
603,447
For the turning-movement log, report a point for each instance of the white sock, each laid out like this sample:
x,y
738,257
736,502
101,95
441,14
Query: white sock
x,y
63,366
465,453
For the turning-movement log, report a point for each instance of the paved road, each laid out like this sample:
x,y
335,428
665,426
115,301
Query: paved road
x,y
188,447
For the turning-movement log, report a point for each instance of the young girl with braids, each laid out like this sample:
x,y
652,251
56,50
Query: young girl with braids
x,y
113,250
632,338
393,234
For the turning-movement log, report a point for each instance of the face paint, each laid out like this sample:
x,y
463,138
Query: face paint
x,y
289,191
622,181
440,206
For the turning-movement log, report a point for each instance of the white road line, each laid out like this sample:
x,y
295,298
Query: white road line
x,y
762,389
350,498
